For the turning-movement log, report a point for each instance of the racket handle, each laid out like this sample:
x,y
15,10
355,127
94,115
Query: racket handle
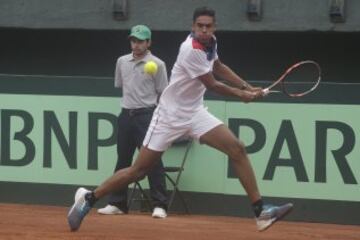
x,y
265,91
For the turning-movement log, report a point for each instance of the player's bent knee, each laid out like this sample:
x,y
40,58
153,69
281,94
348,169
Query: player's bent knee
x,y
241,146
237,149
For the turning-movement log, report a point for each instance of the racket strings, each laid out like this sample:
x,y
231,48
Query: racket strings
x,y
301,79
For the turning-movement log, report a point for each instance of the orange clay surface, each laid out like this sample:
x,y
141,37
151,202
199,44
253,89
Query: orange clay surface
x,y
49,222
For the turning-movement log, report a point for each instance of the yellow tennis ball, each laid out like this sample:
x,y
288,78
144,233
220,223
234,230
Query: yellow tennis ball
x,y
150,68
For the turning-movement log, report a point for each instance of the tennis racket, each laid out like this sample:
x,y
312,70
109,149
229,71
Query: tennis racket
x,y
298,80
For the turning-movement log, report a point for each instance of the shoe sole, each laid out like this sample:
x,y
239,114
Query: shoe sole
x,y
287,209
72,219
159,217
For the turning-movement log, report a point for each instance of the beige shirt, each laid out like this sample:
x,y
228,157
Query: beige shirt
x,y
140,90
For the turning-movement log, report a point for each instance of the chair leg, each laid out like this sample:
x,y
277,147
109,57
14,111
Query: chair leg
x,y
176,190
143,196
173,192
183,201
131,196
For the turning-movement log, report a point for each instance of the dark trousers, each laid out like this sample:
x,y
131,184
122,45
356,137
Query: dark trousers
x,y
132,128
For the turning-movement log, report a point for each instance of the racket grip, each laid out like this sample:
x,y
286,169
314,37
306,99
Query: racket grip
x,y
265,91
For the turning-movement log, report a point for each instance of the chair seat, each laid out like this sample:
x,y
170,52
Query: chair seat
x,y
173,169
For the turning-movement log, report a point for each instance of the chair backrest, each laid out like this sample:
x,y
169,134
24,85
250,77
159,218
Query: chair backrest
x,y
188,143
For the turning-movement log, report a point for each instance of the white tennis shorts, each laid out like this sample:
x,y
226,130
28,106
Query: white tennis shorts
x,y
165,128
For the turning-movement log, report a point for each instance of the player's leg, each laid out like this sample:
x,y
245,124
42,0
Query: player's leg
x,y
84,200
224,140
209,130
145,161
159,137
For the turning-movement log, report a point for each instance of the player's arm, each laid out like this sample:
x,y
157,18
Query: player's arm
x,y
212,84
224,72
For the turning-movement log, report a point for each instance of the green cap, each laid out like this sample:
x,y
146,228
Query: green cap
x,y
141,32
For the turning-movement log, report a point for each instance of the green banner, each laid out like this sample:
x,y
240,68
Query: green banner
x,y
300,150
74,115
297,150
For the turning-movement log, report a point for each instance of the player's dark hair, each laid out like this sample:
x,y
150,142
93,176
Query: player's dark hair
x,y
204,11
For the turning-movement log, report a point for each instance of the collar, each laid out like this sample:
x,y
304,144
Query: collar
x,y
145,58
210,50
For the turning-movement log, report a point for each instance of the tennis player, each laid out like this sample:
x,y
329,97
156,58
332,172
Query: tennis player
x,y
181,112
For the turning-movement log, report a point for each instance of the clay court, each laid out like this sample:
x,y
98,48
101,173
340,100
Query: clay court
x,y
49,222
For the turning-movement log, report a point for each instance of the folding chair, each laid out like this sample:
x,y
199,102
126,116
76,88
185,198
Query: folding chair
x,y
173,173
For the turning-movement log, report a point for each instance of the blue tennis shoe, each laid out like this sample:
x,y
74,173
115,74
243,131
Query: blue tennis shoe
x,y
79,209
270,214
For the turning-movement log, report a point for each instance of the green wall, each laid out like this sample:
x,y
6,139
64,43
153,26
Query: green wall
x,y
57,133
310,150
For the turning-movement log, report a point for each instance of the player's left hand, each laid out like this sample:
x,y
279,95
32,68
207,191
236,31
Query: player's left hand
x,y
259,92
